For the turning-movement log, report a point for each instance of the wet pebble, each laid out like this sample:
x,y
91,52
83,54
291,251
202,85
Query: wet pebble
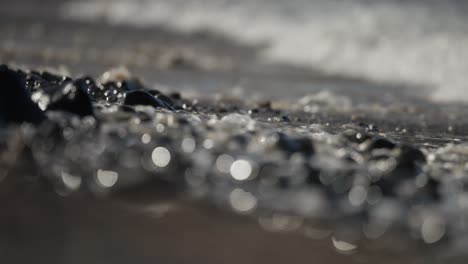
x,y
144,98
378,143
295,144
15,102
70,98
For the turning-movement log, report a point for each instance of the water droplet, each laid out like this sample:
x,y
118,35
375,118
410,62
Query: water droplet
x,y
106,178
161,157
241,170
146,138
343,245
433,229
208,144
160,128
72,182
242,201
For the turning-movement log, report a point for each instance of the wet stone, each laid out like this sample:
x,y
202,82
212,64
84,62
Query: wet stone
x,y
313,176
411,156
153,92
144,98
33,81
409,162
166,99
49,77
240,140
86,83
379,143
71,98
292,145
175,95
132,85
112,93
15,102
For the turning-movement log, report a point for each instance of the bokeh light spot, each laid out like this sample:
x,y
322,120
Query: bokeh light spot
x,y
161,157
107,178
241,170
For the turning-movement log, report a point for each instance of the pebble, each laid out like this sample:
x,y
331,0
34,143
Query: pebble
x,y
144,98
379,143
71,98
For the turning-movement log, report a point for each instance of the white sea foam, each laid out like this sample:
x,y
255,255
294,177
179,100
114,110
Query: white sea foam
x,y
415,42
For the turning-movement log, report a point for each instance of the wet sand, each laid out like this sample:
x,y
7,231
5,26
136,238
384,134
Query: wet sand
x,y
41,227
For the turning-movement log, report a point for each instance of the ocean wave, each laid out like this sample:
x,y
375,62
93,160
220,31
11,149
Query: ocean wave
x,y
423,43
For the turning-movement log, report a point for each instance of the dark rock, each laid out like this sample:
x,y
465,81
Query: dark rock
x,y
109,92
379,143
68,97
409,161
113,93
49,77
293,145
240,140
33,81
253,111
285,119
87,84
313,176
16,105
127,109
431,189
409,165
410,155
166,99
145,98
84,82
153,92
175,95
132,85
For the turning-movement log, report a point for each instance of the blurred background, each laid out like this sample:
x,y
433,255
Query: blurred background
x,y
410,43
